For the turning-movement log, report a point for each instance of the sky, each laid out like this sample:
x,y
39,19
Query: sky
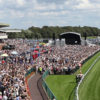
x,y
22,14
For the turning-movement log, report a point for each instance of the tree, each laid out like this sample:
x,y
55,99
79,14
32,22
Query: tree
x,y
47,31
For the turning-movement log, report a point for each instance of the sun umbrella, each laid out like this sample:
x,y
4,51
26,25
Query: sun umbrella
x,y
14,52
32,48
4,55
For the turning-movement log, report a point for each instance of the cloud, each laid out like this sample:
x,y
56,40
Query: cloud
x,y
0,1
84,4
17,14
2,14
87,5
49,12
51,1
21,2
45,7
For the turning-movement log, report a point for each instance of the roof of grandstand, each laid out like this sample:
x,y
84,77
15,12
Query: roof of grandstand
x,y
10,30
4,25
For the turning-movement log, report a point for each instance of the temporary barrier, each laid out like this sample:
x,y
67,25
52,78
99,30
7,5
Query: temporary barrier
x,y
29,73
47,89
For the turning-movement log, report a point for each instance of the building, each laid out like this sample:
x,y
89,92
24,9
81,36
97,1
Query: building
x,y
3,31
3,34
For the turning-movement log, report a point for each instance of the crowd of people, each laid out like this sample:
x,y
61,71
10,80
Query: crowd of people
x,y
12,71
66,59
55,58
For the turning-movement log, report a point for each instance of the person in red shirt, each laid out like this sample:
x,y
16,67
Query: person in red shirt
x,y
3,62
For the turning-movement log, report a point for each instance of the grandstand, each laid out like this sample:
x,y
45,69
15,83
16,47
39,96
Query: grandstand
x,y
3,25
3,33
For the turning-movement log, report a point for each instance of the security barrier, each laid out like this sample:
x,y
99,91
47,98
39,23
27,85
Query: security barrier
x,y
47,89
30,71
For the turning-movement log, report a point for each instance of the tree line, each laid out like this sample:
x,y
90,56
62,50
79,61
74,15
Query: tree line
x,y
48,31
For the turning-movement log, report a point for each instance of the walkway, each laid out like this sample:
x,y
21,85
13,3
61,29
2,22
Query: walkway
x,y
35,88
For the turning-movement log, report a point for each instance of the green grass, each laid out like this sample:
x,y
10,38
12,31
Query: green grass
x,y
90,87
63,85
90,37
87,64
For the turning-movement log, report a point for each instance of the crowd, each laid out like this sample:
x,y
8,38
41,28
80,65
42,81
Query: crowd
x,y
12,71
66,59
55,58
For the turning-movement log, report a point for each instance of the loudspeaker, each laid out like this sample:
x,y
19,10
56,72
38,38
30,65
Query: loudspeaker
x,y
53,37
85,35
60,37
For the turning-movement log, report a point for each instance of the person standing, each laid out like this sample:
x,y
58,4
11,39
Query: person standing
x,y
40,70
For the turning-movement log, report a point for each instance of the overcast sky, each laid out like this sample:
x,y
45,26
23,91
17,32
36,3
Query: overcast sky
x,y
25,13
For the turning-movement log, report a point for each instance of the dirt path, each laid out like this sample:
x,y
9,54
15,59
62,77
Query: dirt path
x,y
35,88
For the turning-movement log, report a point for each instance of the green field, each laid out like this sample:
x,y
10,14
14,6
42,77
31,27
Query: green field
x,y
63,85
90,37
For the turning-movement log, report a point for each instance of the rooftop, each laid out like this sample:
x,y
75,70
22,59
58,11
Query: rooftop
x,y
4,25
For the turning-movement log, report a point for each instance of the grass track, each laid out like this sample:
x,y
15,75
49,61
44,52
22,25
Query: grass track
x,y
90,87
63,85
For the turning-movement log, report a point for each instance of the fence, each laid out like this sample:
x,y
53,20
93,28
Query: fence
x,y
27,76
30,71
47,89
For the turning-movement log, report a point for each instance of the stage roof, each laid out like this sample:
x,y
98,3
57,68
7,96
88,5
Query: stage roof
x,y
70,33
4,25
